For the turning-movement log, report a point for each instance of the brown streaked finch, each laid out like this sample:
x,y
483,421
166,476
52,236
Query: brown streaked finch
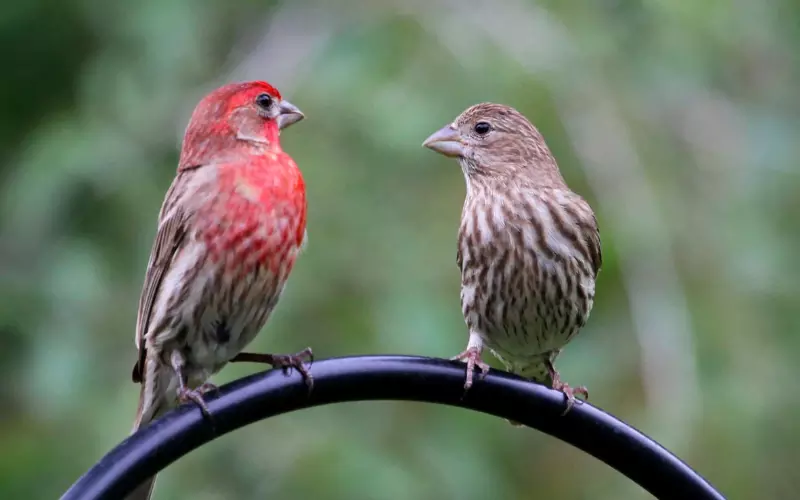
x,y
229,231
528,247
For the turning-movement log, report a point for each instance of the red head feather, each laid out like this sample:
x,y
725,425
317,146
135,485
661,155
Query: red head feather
x,y
219,118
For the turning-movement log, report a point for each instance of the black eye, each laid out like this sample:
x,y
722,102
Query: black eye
x,y
482,128
264,101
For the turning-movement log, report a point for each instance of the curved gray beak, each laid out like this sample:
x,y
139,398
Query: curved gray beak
x,y
289,114
447,141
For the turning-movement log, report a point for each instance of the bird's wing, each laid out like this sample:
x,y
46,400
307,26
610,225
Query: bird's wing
x,y
571,210
170,236
595,247
584,218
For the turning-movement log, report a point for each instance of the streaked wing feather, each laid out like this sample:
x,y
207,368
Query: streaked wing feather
x,y
587,224
585,220
171,233
596,248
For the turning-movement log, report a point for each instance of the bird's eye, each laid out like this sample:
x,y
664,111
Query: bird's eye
x,y
482,128
264,101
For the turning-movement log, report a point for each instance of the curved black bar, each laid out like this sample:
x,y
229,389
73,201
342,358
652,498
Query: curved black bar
x,y
270,393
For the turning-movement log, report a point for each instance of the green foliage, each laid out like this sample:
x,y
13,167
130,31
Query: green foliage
x,y
677,120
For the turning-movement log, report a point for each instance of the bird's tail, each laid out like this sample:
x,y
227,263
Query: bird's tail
x,y
146,413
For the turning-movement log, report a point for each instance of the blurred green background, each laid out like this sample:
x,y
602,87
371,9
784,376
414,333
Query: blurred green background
x,y
678,120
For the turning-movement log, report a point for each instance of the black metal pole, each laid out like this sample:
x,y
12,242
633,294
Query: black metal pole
x,y
338,380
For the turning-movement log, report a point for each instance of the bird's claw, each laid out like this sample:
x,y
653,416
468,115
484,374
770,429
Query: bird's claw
x,y
472,356
285,362
186,395
206,388
570,393
288,361
564,387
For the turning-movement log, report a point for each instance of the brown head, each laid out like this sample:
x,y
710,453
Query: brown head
x,y
239,117
494,141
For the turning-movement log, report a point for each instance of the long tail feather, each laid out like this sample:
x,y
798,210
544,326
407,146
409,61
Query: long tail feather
x,y
144,415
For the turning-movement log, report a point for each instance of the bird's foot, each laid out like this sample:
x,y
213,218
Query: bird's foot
x,y
206,388
186,395
472,356
569,392
283,361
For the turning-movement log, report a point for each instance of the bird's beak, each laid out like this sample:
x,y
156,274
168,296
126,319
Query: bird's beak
x,y
447,141
289,114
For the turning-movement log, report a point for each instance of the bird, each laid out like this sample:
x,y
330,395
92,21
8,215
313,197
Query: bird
x,y
229,231
528,247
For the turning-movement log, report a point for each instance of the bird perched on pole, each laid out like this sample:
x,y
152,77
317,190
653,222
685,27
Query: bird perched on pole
x,y
528,247
229,231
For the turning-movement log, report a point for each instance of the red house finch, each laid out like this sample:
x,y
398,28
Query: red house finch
x,y
230,228
528,247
